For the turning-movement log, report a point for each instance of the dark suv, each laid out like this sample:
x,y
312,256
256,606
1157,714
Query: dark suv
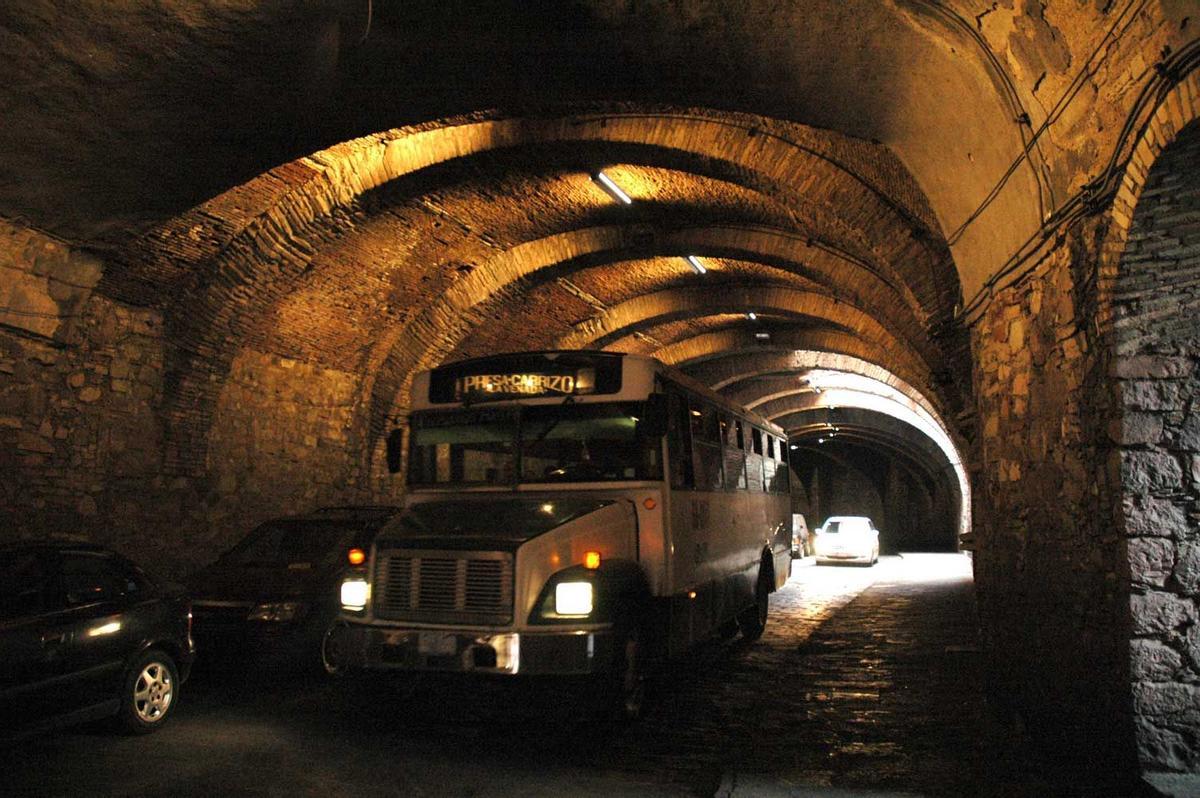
x,y
273,596
85,634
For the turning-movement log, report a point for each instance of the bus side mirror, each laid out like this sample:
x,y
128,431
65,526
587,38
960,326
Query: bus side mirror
x,y
395,448
654,425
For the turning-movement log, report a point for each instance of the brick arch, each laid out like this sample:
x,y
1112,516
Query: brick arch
x,y
1151,301
730,369
732,345
771,397
648,308
245,249
430,335
1178,108
746,376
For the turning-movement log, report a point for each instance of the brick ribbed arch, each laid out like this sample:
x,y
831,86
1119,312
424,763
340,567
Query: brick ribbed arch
x,y
772,396
1179,108
698,349
731,369
748,377
435,331
649,308
244,250
733,353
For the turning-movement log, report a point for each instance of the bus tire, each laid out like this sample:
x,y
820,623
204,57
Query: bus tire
x,y
753,620
332,660
628,678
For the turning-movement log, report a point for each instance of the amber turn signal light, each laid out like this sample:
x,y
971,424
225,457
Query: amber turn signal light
x,y
591,560
356,556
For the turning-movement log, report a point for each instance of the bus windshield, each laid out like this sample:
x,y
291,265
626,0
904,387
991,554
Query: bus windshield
x,y
570,442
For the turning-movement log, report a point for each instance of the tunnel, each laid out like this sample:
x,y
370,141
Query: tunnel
x,y
950,248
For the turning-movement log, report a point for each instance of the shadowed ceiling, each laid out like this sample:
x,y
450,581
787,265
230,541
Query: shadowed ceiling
x,y
849,171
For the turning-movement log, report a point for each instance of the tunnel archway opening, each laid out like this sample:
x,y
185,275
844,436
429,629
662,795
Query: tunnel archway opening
x,y
883,439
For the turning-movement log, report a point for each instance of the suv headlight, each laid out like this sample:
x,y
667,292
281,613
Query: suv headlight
x,y
573,599
281,611
355,593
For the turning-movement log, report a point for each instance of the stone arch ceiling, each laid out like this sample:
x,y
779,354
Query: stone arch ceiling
x,y
872,163
195,96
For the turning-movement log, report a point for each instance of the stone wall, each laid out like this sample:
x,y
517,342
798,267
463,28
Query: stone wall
x,y
281,442
44,282
79,435
81,431
1156,312
1050,562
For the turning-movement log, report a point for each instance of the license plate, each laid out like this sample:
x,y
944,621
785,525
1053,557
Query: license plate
x,y
437,644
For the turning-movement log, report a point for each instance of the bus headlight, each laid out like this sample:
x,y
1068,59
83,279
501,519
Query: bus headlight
x,y
355,594
573,599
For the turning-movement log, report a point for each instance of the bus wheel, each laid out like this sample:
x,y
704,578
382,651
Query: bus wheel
x,y
629,682
753,619
332,649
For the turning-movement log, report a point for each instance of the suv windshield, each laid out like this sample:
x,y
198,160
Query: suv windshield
x,y
592,442
294,542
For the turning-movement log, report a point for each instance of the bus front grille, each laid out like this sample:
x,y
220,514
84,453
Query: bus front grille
x,y
444,587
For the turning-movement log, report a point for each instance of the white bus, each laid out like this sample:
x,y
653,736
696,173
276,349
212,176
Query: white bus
x,y
570,513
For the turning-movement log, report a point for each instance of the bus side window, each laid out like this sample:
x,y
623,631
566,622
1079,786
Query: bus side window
x,y
679,441
769,466
754,462
735,457
706,446
781,473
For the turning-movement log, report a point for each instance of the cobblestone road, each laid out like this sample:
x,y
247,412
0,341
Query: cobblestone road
x,y
866,683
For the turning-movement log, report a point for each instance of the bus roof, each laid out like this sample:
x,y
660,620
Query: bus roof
x,y
421,381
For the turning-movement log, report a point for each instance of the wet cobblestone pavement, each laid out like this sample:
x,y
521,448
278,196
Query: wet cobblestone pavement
x,y
865,679
867,682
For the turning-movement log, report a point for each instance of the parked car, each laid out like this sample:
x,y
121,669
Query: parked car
x,y
273,596
847,538
86,634
800,536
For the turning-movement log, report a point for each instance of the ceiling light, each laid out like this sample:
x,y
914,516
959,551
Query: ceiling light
x,y
613,188
752,316
695,263
762,336
793,446
820,440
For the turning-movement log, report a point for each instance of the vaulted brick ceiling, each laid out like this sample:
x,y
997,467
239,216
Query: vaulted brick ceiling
x,y
246,169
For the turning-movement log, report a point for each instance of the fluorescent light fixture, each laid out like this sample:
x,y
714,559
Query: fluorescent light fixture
x,y
752,316
695,263
762,336
613,188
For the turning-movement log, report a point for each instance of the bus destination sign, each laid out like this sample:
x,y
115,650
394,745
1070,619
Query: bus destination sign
x,y
500,386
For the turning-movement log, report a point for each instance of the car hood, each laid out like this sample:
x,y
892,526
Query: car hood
x,y
235,582
487,523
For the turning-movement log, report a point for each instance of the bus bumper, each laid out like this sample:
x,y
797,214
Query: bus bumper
x,y
553,652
